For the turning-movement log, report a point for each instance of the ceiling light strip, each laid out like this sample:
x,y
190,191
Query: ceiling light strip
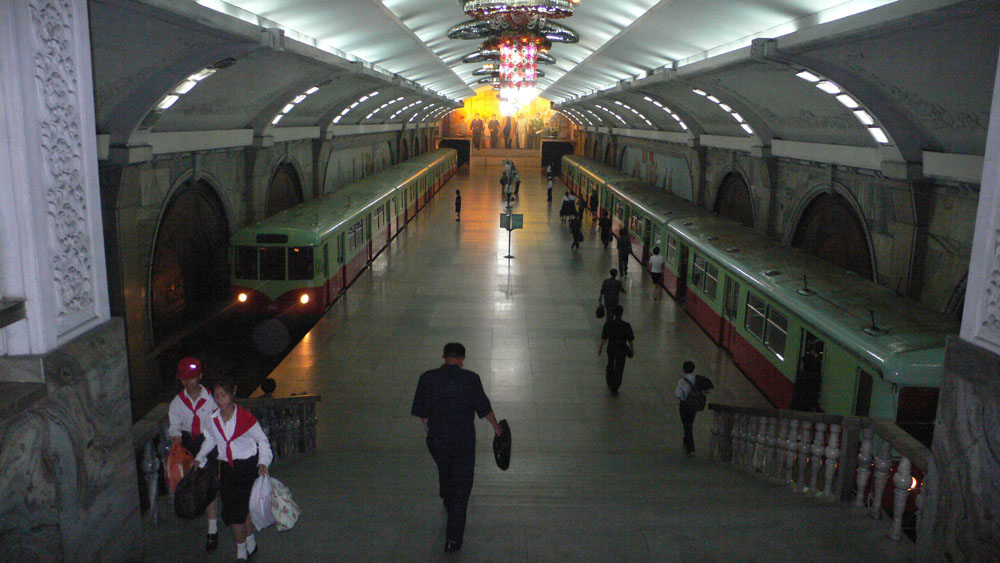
x,y
726,108
863,116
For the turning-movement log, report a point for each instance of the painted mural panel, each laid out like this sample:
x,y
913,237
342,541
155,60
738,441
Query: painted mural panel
x,y
482,120
666,171
350,165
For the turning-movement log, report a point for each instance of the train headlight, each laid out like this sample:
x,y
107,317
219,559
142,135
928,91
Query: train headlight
x,y
242,297
304,299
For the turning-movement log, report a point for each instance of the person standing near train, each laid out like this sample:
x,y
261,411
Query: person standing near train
x,y
458,205
656,263
447,400
244,453
189,414
624,248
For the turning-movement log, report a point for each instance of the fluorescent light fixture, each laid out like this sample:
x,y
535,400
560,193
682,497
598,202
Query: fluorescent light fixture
x,y
726,108
287,108
369,116
683,126
647,98
354,105
676,117
808,76
737,117
747,129
864,117
847,101
699,92
299,98
337,119
714,99
373,94
657,104
828,87
202,74
167,101
185,87
277,118
879,135
312,90
618,102
346,111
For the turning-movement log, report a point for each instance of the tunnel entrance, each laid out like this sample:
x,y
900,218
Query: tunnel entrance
x,y
285,190
190,273
733,200
830,229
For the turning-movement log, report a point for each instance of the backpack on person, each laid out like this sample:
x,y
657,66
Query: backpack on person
x,y
696,398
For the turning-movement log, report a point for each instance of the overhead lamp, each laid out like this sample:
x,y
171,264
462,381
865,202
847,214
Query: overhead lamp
x,y
847,101
185,87
277,118
808,76
167,101
287,108
864,117
747,128
828,87
879,135
700,92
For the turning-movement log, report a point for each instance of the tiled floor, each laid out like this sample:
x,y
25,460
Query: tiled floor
x,y
593,478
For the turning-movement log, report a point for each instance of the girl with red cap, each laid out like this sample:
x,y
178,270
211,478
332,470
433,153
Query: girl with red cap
x,y
244,453
190,412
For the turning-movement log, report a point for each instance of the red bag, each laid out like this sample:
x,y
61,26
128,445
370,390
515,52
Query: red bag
x,y
179,462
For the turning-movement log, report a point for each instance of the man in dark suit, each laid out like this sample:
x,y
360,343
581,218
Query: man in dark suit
x,y
618,334
477,127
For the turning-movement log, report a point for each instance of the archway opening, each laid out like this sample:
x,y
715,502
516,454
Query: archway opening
x,y
190,270
285,190
733,200
403,153
609,156
830,229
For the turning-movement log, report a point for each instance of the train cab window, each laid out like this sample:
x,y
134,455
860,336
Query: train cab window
x,y
245,265
776,332
272,262
754,322
300,263
711,280
671,250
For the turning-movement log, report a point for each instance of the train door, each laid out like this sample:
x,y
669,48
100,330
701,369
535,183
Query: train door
x,y
647,240
863,396
327,290
730,310
341,267
368,236
682,269
809,375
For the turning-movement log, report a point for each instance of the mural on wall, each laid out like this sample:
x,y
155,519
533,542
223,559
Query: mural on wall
x,y
666,171
350,165
482,121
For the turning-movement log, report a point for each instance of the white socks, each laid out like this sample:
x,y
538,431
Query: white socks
x,y
213,525
251,543
241,551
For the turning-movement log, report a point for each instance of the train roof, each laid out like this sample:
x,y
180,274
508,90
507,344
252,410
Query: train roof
x,y
908,343
308,222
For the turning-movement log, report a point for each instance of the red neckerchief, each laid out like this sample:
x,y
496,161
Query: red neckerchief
x,y
196,423
244,421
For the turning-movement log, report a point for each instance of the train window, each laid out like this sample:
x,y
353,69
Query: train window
x,y
711,280
754,322
732,300
635,224
698,272
300,263
246,263
671,249
776,332
272,263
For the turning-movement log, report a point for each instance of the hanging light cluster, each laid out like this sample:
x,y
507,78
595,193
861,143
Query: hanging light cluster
x,y
518,37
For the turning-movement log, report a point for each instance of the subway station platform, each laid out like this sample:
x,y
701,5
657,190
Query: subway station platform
x,y
592,477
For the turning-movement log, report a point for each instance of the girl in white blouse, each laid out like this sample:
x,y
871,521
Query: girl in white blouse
x,y
244,453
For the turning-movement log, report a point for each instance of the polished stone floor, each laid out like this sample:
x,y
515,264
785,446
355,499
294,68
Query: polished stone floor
x,y
592,477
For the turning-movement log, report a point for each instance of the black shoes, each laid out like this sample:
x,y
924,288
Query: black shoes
x,y
452,546
211,542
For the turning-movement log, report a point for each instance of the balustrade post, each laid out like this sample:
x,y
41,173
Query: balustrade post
x,y
847,466
713,443
832,458
311,432
759,443
781,446
902,481
883,461
737,435
151,470
864,466
770,440
804,442
790,450
817,455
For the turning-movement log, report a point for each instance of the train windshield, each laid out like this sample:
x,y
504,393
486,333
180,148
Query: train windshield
x,y
272,262
300,263
246,263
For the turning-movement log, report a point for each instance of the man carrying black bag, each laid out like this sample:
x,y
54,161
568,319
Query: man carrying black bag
x,y
692,392
447,401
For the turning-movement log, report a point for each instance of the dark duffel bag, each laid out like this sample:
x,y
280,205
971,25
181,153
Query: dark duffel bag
x,y
501,446
196,490
600,310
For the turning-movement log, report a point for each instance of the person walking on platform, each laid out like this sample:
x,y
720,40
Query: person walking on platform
x,y
656,263
190,413
624,248
618,335
691,391
593,206
575,225
548,190
517,182
604,227
447,400
458,205
611,288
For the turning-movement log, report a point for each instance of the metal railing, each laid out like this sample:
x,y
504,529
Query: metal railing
x,y
836,458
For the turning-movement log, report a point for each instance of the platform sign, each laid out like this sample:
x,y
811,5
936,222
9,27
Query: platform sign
x,y
511,221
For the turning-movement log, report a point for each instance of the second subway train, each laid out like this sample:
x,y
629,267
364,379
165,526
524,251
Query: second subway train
x,y
769,305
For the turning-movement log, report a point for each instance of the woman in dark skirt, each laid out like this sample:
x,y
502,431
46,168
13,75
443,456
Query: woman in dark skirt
x,y
244,453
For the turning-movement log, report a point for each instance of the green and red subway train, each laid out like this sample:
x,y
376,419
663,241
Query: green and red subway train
x,y
766,304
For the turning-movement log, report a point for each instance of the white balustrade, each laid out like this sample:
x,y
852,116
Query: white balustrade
x,y
714,442
817,455
760,451
864,466
883,461
737,434
832,459
804,441
903,480
781,447
790,450
770,441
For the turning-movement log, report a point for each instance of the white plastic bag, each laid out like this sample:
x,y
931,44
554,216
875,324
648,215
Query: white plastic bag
x,y
261,503
284,509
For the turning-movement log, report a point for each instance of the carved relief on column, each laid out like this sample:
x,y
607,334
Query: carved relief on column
x,y
63,175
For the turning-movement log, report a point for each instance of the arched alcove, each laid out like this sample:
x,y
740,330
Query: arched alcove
x,y
733,200
609,155
189,274
285,190
831,229
403,152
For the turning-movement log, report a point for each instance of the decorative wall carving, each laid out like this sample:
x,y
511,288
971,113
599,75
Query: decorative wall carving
x,y
989,326
62,147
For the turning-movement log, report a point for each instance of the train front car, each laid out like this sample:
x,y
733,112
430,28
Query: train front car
x,y
274,271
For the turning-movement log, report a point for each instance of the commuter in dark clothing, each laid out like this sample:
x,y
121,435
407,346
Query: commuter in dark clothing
x,y
574,227
624,248
610,289
507,126
447,401
604,227
618,335
593,205
458,205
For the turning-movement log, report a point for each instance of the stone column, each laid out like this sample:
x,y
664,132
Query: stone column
x,y
962,493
